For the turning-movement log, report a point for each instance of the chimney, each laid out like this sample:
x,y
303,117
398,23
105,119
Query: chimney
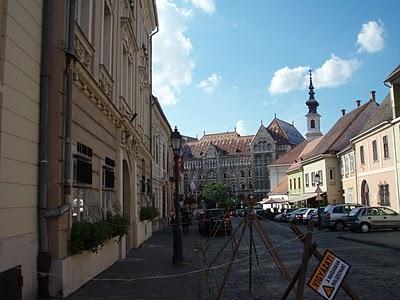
x,y
358,103
343,112
373,96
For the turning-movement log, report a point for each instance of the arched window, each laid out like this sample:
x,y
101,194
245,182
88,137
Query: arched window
x,y
312,124
241,173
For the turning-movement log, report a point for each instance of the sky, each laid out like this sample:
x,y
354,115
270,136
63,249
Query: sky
x,y
225,64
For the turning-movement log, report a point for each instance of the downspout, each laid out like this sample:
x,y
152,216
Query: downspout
x,y
152,102
44,257
70,58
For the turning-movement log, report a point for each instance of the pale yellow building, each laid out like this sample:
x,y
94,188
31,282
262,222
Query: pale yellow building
x,y
348,175
20,59
99,132
162,165
375,160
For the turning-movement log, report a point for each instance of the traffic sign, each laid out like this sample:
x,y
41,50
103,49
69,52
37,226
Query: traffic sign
x,y
318,190
328,275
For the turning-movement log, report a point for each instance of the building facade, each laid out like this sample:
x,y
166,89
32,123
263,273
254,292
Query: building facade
x,y
99,130
162,164
20,29
240,162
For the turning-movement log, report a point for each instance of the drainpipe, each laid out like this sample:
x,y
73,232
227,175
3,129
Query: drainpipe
x,y
152,102
44,257
70,57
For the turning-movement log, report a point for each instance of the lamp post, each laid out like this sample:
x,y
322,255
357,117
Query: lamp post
x,y
318,198
177,256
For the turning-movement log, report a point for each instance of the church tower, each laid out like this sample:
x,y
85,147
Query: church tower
x,y
313,117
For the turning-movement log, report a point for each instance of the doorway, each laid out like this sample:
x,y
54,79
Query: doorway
x,y
126,193
364,193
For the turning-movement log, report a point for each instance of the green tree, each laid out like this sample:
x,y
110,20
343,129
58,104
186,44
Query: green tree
x,y
216,193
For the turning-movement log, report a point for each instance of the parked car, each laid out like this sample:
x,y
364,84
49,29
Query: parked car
x,y
365,219
296,216
260,212
313,216
304,218
335,216
279,217
285,214
215,219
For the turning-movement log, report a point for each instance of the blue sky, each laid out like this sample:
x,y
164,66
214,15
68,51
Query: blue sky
x,y
218,64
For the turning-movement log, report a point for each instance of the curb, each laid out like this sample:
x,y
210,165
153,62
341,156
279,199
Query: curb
x,y
369,243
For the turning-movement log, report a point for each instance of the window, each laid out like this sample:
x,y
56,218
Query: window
x,y
351,161
298,183
107,37
313,178
249,173
84,17
83,165
108,174
349,195
307,180
82,178
384,195
338,209
290,184
225,176
312,124
331,176
321,180
374,151
241,173
109,200
294,183
362,159
385,147
346,166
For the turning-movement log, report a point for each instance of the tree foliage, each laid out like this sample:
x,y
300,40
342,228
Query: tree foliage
x,y
216,193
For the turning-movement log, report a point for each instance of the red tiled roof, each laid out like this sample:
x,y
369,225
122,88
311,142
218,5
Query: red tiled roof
x,y
347,127
228,143
307,149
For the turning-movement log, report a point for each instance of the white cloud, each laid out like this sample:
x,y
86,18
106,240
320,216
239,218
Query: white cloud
x,y
172,53
209,85
286,80
207,6
241,127
371,39
333,72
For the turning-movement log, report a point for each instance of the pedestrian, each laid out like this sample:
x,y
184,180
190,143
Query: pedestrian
x,y
185,220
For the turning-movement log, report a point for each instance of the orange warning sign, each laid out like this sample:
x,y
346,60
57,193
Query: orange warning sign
x,y
328,290
328,275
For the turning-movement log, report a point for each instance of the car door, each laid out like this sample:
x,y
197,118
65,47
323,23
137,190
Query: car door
x,y
375,218
391,219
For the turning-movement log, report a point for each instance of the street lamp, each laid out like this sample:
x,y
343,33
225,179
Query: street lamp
x,y
318,198
177,257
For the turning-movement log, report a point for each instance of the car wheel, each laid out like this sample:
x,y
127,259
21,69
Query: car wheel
x,y
364,227
339,226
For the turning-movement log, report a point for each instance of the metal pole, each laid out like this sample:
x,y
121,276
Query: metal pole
x,y
318,210
177,257
251,247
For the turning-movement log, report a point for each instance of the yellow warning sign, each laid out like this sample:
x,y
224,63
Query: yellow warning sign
x,y
328,275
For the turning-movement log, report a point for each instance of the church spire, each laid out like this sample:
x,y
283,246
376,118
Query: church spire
x,y
311,102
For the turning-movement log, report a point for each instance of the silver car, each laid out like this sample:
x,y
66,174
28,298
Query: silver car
x,y
335,215
373,217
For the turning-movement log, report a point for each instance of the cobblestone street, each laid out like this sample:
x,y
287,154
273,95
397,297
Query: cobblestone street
x,y
373,273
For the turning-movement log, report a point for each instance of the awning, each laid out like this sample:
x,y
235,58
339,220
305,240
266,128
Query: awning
x,y
273,200
302,197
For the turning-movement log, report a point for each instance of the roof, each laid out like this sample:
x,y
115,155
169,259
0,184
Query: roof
x,y
284,132
384,113
228,143
307,149
281,188
393,75
347,127
292,155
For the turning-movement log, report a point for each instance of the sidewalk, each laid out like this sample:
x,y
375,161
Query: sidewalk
x,y
148,273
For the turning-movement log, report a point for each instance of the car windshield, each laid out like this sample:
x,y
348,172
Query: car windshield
x,y
354,212
216,213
